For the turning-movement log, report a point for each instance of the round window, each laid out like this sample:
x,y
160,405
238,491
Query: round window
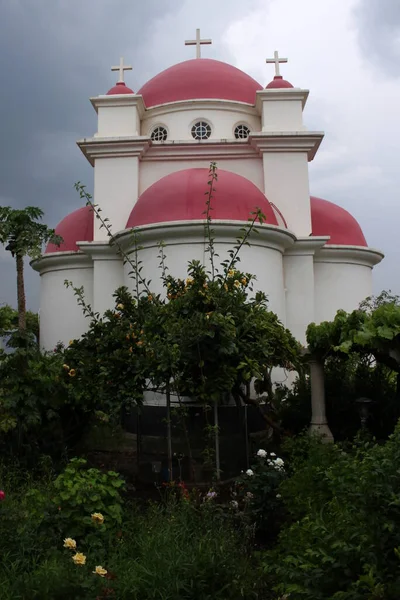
x,y
159,134
201,130
241,132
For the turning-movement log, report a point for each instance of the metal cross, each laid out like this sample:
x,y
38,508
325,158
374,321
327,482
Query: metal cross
x,y
276,60
198,43
121,68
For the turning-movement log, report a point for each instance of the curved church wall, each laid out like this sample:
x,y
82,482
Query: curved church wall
x,y
342,279
61,318
185,242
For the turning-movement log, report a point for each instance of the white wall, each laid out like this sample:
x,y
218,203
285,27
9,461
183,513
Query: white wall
x,y
61,319
179,121
282,115
117,121
152,171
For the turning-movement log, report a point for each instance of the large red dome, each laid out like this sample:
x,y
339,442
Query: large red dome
x,y
330,219
200,78
180,196
75,227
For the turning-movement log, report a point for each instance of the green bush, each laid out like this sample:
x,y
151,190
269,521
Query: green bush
x,y
344,541
174,550
81,492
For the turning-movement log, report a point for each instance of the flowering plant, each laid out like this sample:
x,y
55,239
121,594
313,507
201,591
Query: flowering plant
x,y
258,489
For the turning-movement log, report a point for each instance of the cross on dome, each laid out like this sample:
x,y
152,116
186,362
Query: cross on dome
x,y
198,42
276,60
121,68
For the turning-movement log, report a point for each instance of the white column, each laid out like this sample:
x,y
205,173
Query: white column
x,y
116,190
286,185
319,422
108,274
298,263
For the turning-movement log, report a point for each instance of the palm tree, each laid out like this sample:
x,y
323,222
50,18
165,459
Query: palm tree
x,y
23,235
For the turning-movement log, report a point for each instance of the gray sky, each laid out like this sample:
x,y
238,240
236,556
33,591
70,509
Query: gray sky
x,y
55,54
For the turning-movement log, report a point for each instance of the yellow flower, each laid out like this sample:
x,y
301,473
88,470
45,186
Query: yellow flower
x,y
150,298
66,367
72,373
244,281
120,306
231,272
226,287
100,571
236,283
189,281
97,518
79,558
70,342
70,544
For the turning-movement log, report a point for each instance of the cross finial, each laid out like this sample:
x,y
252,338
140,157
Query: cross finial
x,y
121,68
276,60
198,42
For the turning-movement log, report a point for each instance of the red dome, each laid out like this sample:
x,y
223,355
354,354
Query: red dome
x,y
75,227
200,78
181,196
330,219
278,82
119,88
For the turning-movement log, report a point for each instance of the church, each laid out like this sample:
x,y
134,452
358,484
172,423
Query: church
x,y
151,155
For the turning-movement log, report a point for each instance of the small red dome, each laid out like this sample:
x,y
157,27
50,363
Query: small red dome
x,y
278,82
75,227
119,88
330,219
181,196
200,78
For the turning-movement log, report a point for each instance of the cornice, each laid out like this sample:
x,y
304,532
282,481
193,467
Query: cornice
x,y
307,246
113,147
61,261
359,255
287,141
183,232
205,149
279,94
119,100
100,250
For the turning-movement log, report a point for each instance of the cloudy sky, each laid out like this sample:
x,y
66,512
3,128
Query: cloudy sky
x,y
55,54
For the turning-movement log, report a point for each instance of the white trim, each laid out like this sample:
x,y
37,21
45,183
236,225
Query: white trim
x,y
354,255
180,232
61,261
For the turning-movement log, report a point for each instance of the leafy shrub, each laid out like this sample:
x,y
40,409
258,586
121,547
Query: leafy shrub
x,y
81,492
344,542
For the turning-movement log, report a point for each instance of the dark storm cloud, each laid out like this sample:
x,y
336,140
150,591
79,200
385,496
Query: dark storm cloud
x,y
54,55
378,24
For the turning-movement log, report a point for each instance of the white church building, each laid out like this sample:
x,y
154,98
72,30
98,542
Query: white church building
x,y
151,155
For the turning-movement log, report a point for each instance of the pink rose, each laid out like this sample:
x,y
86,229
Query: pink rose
x,y
2,495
